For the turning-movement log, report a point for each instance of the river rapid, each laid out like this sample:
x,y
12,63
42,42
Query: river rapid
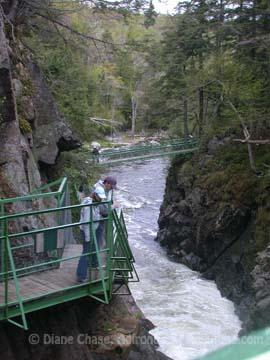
x,y
190,316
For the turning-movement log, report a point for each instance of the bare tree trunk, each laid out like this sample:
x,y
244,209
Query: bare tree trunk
x,y
134,106
247,138
186,132
201,110
113,116
251,158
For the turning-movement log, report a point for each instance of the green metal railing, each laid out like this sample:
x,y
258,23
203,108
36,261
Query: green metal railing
x,y
55,196
115,259
137,152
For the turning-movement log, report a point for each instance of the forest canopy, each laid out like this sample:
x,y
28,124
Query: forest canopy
x,y
117,65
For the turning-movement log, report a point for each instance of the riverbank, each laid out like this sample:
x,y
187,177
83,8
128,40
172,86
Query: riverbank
x,y
215,219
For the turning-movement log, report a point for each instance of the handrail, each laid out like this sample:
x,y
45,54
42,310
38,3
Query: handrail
x,y
38,195
38,231
148,147
28,197
46,186
118,255
38,212
140,152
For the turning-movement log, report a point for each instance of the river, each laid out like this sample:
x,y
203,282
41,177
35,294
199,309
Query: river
x,y
190,315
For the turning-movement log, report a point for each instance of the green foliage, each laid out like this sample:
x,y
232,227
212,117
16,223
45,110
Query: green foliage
x,y
28,87
96,80
150,15
211,47
25,127
205,55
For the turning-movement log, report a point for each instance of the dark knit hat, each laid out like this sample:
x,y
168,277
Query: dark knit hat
x,y
110,180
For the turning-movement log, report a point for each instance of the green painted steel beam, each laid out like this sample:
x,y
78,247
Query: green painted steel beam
x,y
47,186
58,298
44,230
33,196
142,148
48,211
29,197
119,263
150,156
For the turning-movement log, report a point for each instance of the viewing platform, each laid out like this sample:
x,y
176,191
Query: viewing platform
x,y
39,256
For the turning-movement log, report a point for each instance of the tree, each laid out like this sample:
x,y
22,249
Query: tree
x,y
150,15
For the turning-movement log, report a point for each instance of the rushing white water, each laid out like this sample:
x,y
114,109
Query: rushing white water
x,y
190,315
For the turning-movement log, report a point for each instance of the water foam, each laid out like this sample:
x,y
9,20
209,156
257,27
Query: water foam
x,y
190,315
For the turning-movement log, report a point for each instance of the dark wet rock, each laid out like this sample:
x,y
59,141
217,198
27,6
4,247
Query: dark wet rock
x,y
27,108
94,332
212,227
260,314
51,133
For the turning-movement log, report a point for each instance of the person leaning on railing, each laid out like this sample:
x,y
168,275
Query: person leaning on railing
x,y
104,189
87,240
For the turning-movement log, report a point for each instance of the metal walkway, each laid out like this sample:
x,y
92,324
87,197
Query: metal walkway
x,y
38,269
141,152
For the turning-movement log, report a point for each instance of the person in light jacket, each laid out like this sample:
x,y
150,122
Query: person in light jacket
x,y
87,240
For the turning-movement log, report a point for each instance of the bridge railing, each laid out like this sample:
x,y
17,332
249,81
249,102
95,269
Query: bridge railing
x,y
24,286
147,149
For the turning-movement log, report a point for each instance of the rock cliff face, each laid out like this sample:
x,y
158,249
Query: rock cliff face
x,y
215,219
83,330
33,134
32,131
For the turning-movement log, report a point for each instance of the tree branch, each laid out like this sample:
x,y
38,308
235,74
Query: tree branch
x,y
88,37
248,141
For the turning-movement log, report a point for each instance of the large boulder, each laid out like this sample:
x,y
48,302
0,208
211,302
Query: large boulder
x,y
51,133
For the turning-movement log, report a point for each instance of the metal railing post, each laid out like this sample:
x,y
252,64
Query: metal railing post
x,y
97,253
15,279
5,264
2,244
109,242
91,239
17,300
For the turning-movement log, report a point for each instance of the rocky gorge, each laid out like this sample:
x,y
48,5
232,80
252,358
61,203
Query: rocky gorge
x,y
33,135
83,329
215,219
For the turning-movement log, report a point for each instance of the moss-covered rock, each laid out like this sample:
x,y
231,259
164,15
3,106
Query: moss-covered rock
x,y
25,127
215,217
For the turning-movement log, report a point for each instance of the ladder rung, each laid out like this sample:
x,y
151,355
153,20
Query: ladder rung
x,y
119,269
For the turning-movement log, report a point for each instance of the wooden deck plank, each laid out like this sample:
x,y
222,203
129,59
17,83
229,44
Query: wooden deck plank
x,y
47,281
